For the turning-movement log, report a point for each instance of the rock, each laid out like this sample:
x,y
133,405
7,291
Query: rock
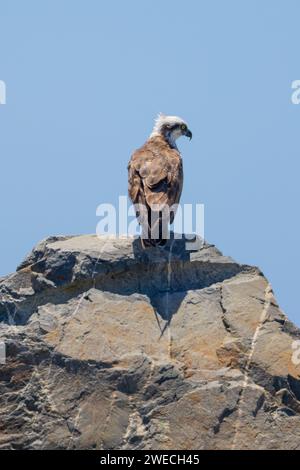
x,y
112,347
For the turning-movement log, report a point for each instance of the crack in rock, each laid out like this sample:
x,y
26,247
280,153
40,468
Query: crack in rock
x,y
88,365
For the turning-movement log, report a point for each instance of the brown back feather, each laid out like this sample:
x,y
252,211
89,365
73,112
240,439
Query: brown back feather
x,y
155,174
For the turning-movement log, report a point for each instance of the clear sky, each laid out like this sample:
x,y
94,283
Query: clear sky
x,y
85,80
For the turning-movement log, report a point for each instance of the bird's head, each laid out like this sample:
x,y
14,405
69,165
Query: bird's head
x,y
171,128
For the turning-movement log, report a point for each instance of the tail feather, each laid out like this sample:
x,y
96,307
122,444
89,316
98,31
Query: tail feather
x,y
155,231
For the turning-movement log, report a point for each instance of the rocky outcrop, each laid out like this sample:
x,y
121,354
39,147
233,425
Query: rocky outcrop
x,y
112,347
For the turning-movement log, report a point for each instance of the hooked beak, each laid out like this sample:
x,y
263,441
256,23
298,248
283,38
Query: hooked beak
x,y
188,134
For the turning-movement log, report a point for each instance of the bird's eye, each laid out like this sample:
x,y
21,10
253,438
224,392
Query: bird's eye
x,y
183,127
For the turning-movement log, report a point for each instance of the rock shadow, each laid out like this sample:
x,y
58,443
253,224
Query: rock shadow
x,y
163,274
166,297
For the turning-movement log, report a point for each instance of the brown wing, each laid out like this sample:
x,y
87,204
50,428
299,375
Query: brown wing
x,y
155,175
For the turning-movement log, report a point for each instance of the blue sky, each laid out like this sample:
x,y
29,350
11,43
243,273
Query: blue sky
x,y
85,80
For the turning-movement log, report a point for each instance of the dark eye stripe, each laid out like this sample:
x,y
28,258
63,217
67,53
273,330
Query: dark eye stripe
x,y
175,126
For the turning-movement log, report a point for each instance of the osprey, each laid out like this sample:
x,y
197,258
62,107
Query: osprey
x,y
155,178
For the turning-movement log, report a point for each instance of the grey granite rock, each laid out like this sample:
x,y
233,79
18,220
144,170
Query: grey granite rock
x,y
109,346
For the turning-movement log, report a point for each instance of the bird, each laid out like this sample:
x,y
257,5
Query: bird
x,y
155,179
